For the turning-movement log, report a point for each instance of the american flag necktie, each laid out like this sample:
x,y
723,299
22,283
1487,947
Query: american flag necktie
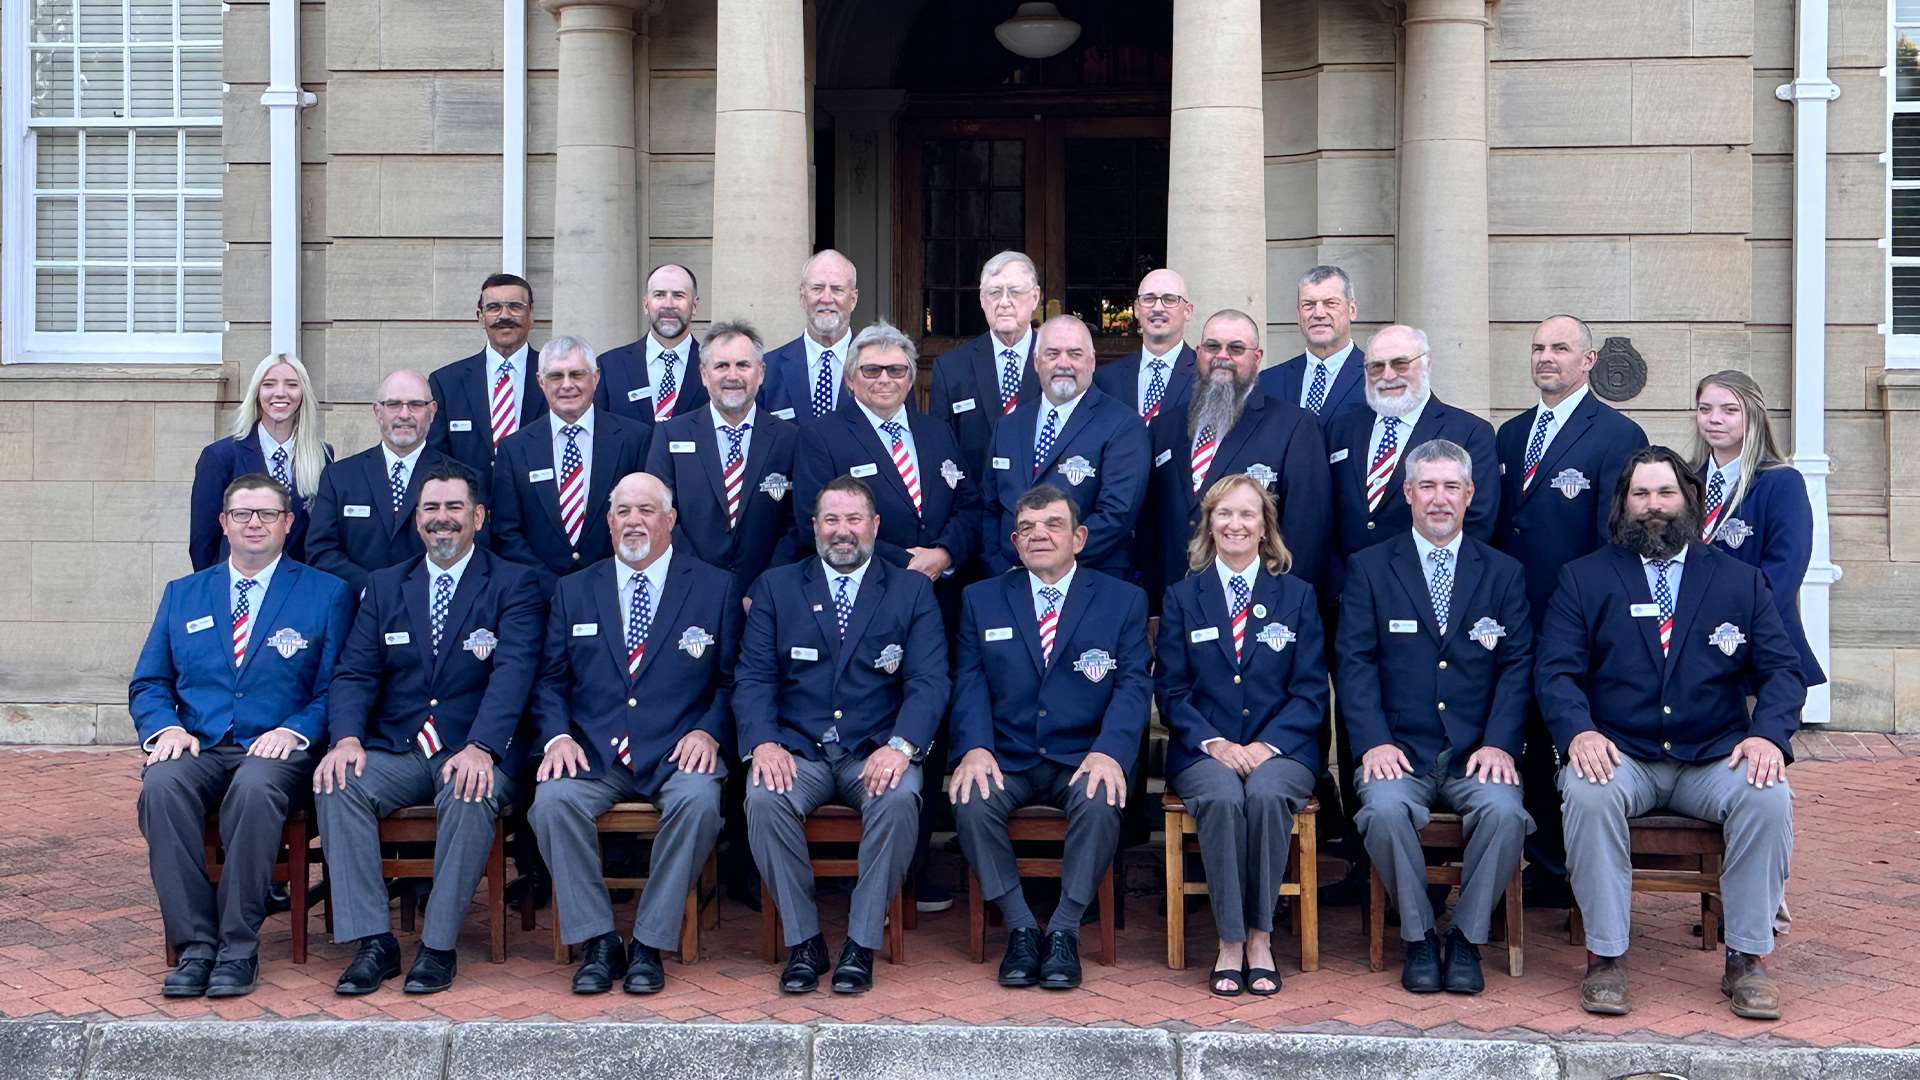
x,y
668,392
1716,493
280,467
1383,462
842,605
1043,447
573,485
823,386
1317,393
903,461
397,483
1009,380
1663,595
1440,586
1204,445
734,471
242,621
1241,595
1049,622
505,419
1536,448
1156,391
639,622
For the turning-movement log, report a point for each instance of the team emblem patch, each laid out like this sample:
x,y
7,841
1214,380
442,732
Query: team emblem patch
x,y
1487,632
1726,637
286,641
1571,482
1077,470
951,473
1263,473
889,658
776,485
1734,531
1275,636
1095,664
480,643
694,641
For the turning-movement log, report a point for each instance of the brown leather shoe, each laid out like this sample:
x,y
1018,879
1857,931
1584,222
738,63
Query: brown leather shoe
x,y
1749,989
1604,990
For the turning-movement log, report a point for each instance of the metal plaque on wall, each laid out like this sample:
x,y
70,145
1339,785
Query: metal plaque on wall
x,y
1620,373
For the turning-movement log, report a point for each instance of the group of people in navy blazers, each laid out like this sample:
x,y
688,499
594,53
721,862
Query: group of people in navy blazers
x,y
564,580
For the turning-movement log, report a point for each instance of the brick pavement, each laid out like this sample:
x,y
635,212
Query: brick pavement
x,y
80,937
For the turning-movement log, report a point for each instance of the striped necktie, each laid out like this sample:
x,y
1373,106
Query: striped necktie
x,y
1049,622
1536,447
1009,380
1383,462
639,623
1440,586
668,392
1156,391
910,476
242,621
734,471
1204,445
1663,595
1317,393
1241,595
823,386
1043,447
842,605
573,485
506,420
1716,494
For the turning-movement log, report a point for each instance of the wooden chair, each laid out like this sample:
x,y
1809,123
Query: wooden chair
x,y
703,900
1444,834
1047,825
1673,854
836,824
417,825
1303,879
296,840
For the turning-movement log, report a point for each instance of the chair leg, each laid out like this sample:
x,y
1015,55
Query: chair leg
x,y
1709,923
1109,946
1309,906
769,926
561,954
1119,893
1576,928
407,922
690,927
1176,892
897,928
497,895
297,841
1516,928
976,920
710,894
1376,921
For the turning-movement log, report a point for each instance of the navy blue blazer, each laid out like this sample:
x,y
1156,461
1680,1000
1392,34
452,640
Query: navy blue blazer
x,y
355,530
1396,668
463,424
685,680
1772,529
1563,514
526,522
223,461
389,681
846,444
1103,436
1121,379
1287,379
1092,697
1598,667
1275,693
626,391
186,677
685,455
786,391
966,393
1280,442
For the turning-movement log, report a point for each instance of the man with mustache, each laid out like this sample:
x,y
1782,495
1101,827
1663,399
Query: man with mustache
x,y
1159,378
1325,379
805,376
658,377
426,707
633,704
1643,667
978,384
363,512
841,685
481,400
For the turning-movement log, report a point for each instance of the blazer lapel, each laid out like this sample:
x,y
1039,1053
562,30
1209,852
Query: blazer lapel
x,y
706,450
869,440
1634,576
1345,383
1431,418
533,403
413,597
219,595
821,600
666,612
285,577
759,445
1182,375
873,591
986,375
600,478
1020,603
1236,437
1466,578
935,498
1082,416
1413,580
1213,608
471,584
1078,599
1563,440
1695,580
540,456
1266,591
611,622
252,459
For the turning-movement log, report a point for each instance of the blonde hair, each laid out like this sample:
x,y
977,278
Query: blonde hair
x,y
1757,448
1273,548
309,442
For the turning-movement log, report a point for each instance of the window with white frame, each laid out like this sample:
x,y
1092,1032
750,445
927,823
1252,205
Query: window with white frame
x,y
1903,294
113,179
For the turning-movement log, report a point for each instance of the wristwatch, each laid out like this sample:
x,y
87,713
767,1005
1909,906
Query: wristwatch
x,y
902,745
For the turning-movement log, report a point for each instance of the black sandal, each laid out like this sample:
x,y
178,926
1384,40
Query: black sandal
x,y
1254,975
1236,979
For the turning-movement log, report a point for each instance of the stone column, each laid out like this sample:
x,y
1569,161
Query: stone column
x,y
1441,284
1216,186
762,217
596,234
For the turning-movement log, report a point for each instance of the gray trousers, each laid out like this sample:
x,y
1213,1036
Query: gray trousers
x,y
565,817
253,796
1494,818
889,825
1757,822
1093,831
1246,834
350,835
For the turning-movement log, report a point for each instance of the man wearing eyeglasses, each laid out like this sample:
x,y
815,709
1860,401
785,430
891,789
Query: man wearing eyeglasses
x,y
1325,379
978,384
490,395
363,513
1159,378
657,378
804,376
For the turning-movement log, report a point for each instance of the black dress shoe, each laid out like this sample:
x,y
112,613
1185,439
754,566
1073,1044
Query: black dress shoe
x,y
1421,972
233,978
189,980
377,960
804,965
1021,965
1463,965
645,973
1061,968
432,971
854,973
602,960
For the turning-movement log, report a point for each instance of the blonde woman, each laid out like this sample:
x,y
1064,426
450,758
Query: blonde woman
x,y
276,432
1242,686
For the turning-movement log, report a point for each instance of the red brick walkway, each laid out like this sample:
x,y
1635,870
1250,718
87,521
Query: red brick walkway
x,y
80,937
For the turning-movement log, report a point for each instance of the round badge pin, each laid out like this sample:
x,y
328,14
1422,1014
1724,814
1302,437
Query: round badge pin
x,y
1259,611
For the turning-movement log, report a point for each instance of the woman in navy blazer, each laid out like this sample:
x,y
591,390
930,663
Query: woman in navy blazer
x,y
277,413
1757,508
1242,686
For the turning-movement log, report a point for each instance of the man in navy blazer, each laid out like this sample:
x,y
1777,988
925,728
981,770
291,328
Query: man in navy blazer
x,y
1325,379
1090,446
840,687
805,376
1049,706
495,392
1436,654
658,377
426,707
363,513
1159,378
228,697
1558,462
632,704
978,384
1643,668
550,490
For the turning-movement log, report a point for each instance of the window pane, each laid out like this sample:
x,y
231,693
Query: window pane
x,y
57,163
107,228
204,167
199,82
56,228
203,312
203,223
152,20
152,82
54,295
154,303
106,160
1906,299
106,300
1906,67
1906,222
1906,11
200,20
156,161
52,82
51,20
103,82
156,229
102,20
1906,146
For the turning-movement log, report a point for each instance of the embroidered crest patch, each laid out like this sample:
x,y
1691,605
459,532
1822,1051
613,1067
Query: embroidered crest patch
x,y
1726,637
1276,636
1487,632
1735,532
286,641
951,473
1263,473
694,641
1095,664
889,658
776,485
480,643
1077,470
1570,482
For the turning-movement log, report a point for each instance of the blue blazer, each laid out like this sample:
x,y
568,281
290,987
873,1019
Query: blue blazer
x,y
1275,693
1281,440
389,680
1391,681
463,424
185,675
221,462
1104,434
355,530
1598,667
966,393
685,680
949,516
526,523
1286,380
1551,523
626,391
798,683
766,535
1092,697
1121,379
1772,530
786,391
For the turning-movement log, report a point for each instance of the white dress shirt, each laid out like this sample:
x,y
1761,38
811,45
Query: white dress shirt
x,y
1332,364
1065,583
1729,476
1674,573
584,441
1407,423
268,446
1426,548
435,573
407,464
657,368
838,364
886,440
1022,348
1559,415
721,438
1059,425
833,581
517,386
1171,360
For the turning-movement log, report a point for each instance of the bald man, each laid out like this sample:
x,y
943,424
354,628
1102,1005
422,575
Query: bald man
x,y
1159,378
805,376
658,377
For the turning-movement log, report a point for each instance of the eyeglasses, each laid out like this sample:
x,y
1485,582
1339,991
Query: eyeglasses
x,y
242,515
511,307
1401,365
1006,292
1153,300
556,376
395,405
1235,349
888,371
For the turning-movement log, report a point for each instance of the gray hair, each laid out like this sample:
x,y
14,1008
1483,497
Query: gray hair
x,y
560,346
807,267
1419,336
1440,450
1320,275
1586,332
1005,259
883,335
733,328
1236,314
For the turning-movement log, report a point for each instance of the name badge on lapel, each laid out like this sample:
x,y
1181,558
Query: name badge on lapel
x,y
202,623
1211,633
480,643
963,405
801,652
640,393
459,425
680,446
889,658
994,633
537,475
399,637
585,629
1336,457
869,469
1403,626
1276,636
1001,463
784,414
1095,664
951,473
695,640
356,510
1077,470
1644,611
286,641
1165,456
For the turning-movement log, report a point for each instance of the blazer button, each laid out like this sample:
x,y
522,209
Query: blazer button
x,y
1246,712
433,701
633,703
1369,526
1442,706
1236,680
1043,712
1443,665
836,714
1666,746
239,694
1666,710
576,556
615,743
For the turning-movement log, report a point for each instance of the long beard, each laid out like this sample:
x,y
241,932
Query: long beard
x,y
1216,404
1657,536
